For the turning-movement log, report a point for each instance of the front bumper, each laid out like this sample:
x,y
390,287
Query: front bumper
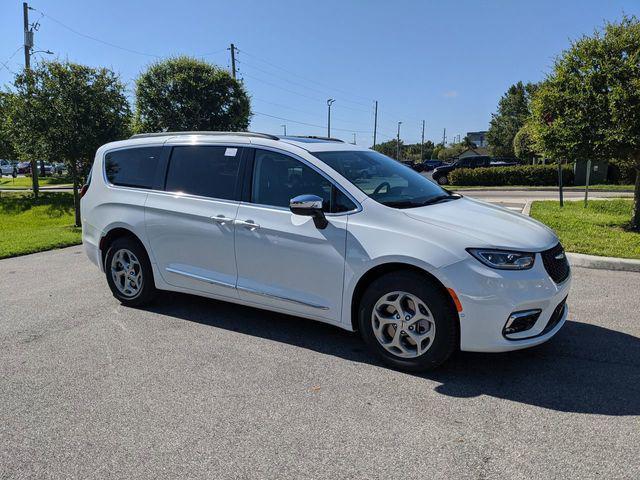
x,y
489,296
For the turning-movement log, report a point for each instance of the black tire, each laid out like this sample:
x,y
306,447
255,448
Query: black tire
x,y
147,293
445,317
443,180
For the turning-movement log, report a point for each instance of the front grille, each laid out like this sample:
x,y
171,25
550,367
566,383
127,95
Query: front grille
x,y
556,263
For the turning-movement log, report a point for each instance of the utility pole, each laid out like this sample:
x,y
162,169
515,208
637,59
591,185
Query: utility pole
x,y
329,103
354,138
233,60
285,129
398,143
375,124
28,45
422,144
444,138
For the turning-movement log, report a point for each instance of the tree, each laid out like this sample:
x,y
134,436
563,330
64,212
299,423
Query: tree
x,y
65,111
6,146
589,105
452,151
513,110
389,148
187,94
524,145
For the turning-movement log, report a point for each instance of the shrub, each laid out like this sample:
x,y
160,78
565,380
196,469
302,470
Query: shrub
x,y
533,175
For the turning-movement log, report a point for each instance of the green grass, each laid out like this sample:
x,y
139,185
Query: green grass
x,y
600,229
25,182
27,226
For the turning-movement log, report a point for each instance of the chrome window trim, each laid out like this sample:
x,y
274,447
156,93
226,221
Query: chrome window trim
x,y
317,169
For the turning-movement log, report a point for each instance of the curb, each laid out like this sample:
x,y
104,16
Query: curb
x,y
603,263
594,261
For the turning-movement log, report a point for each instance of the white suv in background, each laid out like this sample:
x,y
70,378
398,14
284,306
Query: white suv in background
x,y
321,229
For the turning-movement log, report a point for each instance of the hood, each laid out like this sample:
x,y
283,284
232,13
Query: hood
x,y
486,225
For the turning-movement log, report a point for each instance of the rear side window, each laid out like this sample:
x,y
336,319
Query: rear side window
x,y
132,167
207,171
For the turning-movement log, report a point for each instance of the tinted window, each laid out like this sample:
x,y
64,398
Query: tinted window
x,y
278,178
133,167
205,171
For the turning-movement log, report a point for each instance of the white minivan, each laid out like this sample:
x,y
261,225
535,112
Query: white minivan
x,y
325,230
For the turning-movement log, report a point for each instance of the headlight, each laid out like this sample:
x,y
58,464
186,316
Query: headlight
x,y
503,259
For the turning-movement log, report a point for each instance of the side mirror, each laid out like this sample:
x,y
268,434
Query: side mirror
x,y
309,206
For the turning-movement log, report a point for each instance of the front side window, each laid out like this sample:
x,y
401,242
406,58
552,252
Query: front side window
x,y
384,179
278,178
206,171
132,167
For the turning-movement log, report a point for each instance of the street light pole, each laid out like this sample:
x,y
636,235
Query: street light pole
x,y
329,103
398,143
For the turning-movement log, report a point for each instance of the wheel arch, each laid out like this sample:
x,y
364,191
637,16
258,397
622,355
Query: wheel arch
x,y
113,234
382,269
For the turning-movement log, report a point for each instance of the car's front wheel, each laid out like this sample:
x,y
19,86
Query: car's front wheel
x,y
129,272
408,321
443,180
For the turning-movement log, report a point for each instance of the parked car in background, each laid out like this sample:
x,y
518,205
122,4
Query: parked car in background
x,y
59,168
6,167
429,165
287,224
441,173
25,168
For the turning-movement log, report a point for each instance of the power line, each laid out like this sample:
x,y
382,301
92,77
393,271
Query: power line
x,y
323,92
6,62
95,39
114,45
310,124
304,78
302,111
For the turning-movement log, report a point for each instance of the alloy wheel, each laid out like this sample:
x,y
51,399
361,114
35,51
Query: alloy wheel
x,y
126,273
403,324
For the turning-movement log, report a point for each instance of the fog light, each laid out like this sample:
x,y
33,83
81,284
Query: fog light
x,y
520,321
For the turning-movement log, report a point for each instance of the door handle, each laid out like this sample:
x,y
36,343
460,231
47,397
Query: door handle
x,y
221,219
250,224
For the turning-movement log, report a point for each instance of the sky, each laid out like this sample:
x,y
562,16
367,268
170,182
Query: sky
x,y
444,62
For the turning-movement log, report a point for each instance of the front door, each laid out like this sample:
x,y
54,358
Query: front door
x,y
283,259
190,226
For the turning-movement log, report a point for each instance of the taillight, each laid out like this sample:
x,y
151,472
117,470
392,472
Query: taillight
x,y
84,189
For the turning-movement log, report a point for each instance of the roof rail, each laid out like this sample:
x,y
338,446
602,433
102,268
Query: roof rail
x,y
203,132
328,139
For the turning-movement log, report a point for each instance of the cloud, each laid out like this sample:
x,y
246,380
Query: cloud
x,y
450,94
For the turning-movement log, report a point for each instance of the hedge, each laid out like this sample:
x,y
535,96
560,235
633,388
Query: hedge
x,y
534,175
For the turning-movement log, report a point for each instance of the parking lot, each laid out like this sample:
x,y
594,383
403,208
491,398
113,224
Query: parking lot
x,y
194,388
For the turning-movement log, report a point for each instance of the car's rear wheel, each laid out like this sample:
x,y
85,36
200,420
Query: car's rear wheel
x,y
129,272
443,180
408,321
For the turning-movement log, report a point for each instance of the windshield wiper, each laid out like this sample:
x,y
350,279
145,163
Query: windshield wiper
x,y
441,198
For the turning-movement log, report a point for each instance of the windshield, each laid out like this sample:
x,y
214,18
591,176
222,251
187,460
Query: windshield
x,y
384,179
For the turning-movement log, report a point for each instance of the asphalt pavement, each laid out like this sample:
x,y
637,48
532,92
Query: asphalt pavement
x,y
194,388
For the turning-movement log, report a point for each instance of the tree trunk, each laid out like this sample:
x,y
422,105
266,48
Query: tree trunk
x,y
34,178
76,196
635,216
